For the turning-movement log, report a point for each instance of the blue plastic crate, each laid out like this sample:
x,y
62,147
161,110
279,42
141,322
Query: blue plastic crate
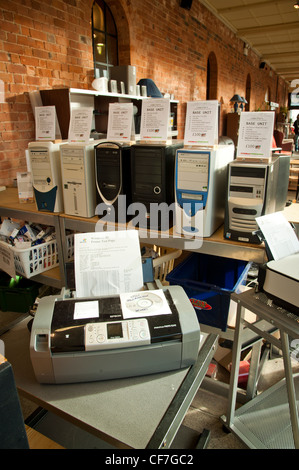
x,y
209,281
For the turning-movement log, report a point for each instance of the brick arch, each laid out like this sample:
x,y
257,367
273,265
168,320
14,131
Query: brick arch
x,y
212,77
122,26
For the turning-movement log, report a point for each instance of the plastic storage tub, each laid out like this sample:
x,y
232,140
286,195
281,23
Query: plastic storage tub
x,y
39,258
17,295
209,281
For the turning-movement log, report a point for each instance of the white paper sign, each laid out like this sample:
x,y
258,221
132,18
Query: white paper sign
x,y
155,119
25,188
120,119
80,125
201,128
255,134
88,309
45,117
7,263
107,263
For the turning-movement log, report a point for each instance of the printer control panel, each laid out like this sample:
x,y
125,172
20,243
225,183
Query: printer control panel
x,y
117,334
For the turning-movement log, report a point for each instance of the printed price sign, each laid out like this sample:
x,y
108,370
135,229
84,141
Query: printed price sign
x,y
155,119
201,127
255,134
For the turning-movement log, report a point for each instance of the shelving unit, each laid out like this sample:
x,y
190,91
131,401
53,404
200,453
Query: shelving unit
x,y
214,245
66,99
12,208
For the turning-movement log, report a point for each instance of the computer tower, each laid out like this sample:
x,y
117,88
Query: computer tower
x,y
113,179
283,181
152,170
200,189
254,189
126,74
78,177
46,175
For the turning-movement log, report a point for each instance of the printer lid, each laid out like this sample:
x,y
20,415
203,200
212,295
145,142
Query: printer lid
x,y
68,329
288,266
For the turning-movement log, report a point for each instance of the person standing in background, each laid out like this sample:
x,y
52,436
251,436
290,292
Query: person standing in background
x,y
296,130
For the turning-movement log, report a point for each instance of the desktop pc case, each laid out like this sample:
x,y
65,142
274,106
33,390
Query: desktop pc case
x,y
254,189
46,175
125,74
152,170
113,179
78,177
200,189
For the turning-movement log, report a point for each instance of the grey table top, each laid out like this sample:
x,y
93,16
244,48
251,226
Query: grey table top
x,y
124,412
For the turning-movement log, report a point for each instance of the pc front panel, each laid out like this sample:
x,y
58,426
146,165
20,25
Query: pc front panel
x,y
113,179
252,192
46,175
78,177
200,183
152,168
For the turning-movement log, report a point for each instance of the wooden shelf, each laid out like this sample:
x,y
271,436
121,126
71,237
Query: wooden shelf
x,y
215,245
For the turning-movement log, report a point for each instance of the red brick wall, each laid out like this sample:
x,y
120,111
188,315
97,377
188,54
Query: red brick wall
x,y
48,44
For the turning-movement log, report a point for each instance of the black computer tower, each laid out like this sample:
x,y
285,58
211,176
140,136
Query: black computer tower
x,y
113,180
152,170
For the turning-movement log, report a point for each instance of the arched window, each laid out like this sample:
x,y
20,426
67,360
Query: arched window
x,y
104,39
212,77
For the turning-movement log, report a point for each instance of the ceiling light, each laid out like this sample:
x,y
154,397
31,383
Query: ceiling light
x,y
296,5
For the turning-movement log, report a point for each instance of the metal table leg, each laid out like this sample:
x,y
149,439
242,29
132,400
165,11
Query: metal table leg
x,y
236,352
290,387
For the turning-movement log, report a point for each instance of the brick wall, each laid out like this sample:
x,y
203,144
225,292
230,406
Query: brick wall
x,y
48,44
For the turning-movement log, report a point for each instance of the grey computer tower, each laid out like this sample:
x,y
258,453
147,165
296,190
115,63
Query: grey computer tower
x,y
254,189
78,176
125,74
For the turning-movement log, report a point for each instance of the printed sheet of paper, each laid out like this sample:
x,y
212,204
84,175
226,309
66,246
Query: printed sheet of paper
x,y
279,235
120,120
80,125
25,188
201,128
107,263
45,118
88,309
255,134
155,119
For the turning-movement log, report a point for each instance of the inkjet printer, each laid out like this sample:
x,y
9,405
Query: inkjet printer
x,y
279,279
132,334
